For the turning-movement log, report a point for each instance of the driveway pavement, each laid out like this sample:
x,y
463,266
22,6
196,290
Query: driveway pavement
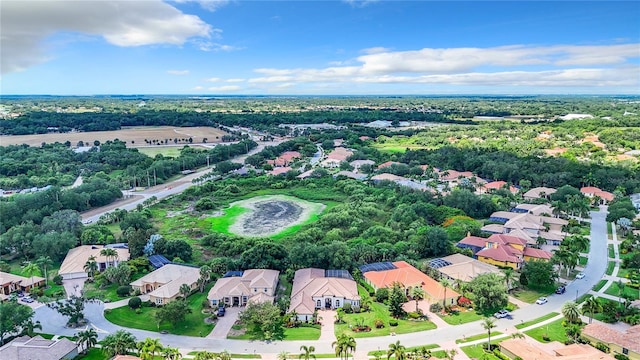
x,y
225,323
74,286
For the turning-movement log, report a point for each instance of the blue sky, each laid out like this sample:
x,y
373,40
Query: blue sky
x,y
319,47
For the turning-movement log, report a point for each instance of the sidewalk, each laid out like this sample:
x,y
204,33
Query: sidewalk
x,y
123,302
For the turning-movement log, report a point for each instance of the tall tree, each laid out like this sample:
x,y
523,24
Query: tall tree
x,y
205,275
31,269
397,350
571,312
87,339
344,345
307,352
489,292
591,307
110,254
13,317
397,297
417,293
185,290
445,284
44,262
148,348
488,324
509,276
91,266
119,343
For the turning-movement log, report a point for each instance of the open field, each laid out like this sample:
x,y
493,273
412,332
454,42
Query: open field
x,y
134,136
269,215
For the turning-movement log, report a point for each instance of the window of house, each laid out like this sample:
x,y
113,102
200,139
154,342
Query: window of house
x,y
625,351
244,299
255,289
158,301
265,289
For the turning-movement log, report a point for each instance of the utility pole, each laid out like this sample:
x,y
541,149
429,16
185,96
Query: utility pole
x,y
155,179
148,180
207,160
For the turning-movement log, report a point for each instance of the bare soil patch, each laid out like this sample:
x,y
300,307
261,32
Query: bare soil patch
x,y
271,214
135,134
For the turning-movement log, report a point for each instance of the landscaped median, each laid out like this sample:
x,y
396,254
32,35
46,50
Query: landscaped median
x,y
536,320
144,318
477,337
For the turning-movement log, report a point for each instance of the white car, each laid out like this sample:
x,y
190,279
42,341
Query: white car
x,y
580,276
542,300
501,314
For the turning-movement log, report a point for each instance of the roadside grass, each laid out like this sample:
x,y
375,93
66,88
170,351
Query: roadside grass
x,y
302,333
529,295
584,298
476,351
536,320
477,337
612,254
235,356
599,285
378,311
609,230
610,266
54,291
614,290
554,331
582,261
192,325
623,272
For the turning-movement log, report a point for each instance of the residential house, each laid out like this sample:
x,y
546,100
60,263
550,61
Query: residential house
x,y
532,350
73,264
461,267
239,288
163,285
279,171
315,289
335,157
386,274
357,164
387,164
496,185
538,193
39,348
285,159
635,200
619,342
351,175
503,250
534,209
592,192
10,283
402,181
527,226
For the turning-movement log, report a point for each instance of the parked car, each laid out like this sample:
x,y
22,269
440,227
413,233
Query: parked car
x,y
27,299
542,300
561,290
502,314
221,311
580,276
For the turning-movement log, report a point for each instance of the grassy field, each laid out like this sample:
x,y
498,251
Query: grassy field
x,y
476,351
290,334
610,266
106,294
623,273
530,295
413,348
93,354
555,331
612,255
582,261
192,325
221,224
599,285
536,320
166,151
378,311
614,290
477,337
461,317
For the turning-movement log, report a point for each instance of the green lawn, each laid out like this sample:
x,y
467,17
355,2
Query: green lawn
x,y
192,325
612,254
54,291
302,333
583,260
614,290
536,320
461,317
609,231
166,151
476,351
599,285
477,337
413,348
222,223
610,266
378,311
530,295
555,331
623,273
106,294
93,354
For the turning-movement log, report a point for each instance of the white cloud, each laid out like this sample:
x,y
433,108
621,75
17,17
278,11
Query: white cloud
x,y
211,5
360,3
214,46
198,88
375,50
213,79
226,88
237,80
178,72
551,66
26,24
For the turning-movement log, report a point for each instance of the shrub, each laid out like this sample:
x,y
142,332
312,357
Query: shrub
x,y
379,324
435,307
393,322
602,347
464,302
57,280
414,315
138,311
347,308
382,295
123,290
621,357
135,302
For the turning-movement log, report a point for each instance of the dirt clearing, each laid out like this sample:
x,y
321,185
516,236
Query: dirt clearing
x,y
272,214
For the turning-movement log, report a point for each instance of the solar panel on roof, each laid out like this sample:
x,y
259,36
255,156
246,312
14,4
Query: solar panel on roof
x,y
342,274
379,266
438,263
233,274
158,261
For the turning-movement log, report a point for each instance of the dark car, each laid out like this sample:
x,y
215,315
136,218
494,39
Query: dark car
x,y
221,311
561,290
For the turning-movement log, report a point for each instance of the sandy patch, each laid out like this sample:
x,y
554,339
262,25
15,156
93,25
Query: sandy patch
x,y
271,214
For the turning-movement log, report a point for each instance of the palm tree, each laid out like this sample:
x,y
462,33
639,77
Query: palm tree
x,y
110,254
591,306
621,286
45,262
204,355
119,343
205,275
185,290
344,345
488,324
509,276
87,339
169,353
450,354
307,352
397,350
571,312
30,327
417,293
446,284
91,266
225,355
149,347
30,269
283,355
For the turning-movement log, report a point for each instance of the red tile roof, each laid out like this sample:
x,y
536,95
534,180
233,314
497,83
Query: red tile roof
x,y
387,164
501,253
537,253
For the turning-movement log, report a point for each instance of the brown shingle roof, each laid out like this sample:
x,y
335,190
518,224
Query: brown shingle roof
x,y
629,339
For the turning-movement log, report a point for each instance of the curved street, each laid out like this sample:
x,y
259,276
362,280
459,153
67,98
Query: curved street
x,y
54,323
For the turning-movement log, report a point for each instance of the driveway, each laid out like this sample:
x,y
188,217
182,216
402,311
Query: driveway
x,y
225,323
74,286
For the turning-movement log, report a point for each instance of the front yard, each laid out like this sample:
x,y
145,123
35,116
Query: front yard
x,y
530,295
554,331
145,319
614,290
